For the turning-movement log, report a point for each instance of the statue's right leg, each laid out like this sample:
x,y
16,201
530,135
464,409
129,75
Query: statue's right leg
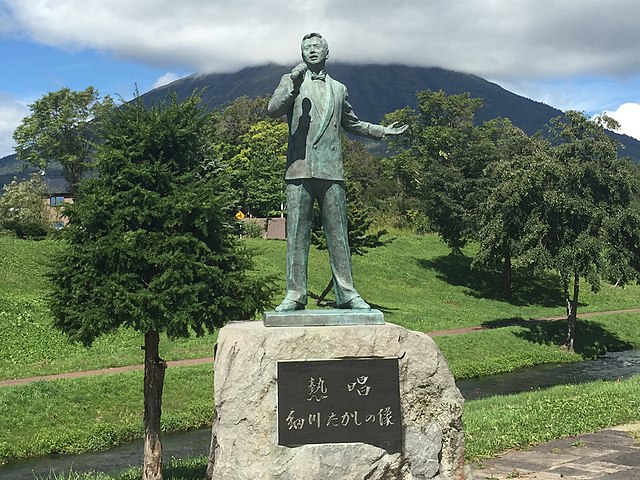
x,y
299,213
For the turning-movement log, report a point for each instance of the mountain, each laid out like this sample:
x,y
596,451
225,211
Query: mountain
x,y
11,167
374,90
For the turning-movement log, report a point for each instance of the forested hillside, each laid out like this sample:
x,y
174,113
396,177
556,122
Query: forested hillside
x,y
374,90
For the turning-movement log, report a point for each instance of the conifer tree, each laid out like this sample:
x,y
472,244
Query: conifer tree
x,y
151,245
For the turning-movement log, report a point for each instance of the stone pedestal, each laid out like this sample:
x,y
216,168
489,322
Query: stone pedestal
x,y
245,429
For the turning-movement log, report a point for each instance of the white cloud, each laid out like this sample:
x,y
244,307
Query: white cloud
x,y
12,111
5,20
506,39
628,115
166,79
574,54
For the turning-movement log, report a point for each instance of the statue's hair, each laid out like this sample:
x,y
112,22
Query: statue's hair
x,y
315,35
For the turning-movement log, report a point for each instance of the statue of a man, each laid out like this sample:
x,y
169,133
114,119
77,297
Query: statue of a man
x,y
317,109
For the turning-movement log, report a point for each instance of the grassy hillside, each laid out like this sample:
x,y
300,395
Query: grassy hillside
x,y
412,280
415,282
31,346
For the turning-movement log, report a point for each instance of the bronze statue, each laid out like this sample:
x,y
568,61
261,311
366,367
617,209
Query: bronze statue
x,y
317,109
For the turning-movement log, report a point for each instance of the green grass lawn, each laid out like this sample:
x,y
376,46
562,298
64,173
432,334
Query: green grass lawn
x,y
94,413
31,346
413,280
502,350
492,425
500,423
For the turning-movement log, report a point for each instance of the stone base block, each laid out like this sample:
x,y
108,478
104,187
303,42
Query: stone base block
x,y
244,442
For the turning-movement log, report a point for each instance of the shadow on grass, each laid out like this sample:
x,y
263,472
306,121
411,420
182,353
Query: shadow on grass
x,y
527,289
383,309
591,341
329,303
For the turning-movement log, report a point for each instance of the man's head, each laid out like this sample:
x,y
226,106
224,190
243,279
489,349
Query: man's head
x,y
315,50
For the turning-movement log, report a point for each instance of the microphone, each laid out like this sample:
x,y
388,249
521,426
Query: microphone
x,y
298,71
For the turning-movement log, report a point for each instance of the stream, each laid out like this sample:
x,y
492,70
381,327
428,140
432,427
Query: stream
x,y
612,366
113,461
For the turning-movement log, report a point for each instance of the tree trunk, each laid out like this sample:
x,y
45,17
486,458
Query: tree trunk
x,y
154,368
325,292
572,312
565,293
506,274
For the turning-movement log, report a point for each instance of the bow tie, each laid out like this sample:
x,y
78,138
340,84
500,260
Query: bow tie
x,y
318,76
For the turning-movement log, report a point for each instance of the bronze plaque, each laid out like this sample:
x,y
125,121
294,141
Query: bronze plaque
x,y
340,401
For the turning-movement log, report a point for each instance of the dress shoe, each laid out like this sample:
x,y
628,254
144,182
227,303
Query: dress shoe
x,y
356,303
289,306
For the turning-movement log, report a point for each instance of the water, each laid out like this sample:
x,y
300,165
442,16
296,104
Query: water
x,y
612,366
618,365
178,445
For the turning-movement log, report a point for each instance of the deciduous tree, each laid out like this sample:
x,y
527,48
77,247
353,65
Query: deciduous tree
x,y
513,197
252,147
61,128
22,207
440,163
257,169
588,209
572,206
373,181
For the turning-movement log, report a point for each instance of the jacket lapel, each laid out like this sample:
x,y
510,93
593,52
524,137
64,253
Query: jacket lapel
x,y
329,101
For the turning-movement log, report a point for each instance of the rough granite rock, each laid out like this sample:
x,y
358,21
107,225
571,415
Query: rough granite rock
x,y
244,443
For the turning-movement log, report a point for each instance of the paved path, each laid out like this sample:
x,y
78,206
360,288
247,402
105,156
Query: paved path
x,y
610,454
102,371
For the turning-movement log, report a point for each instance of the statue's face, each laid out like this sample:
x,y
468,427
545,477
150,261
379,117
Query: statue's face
x,y
313,51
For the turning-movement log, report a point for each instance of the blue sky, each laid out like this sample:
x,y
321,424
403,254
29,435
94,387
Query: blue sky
x,y
574,54
34,69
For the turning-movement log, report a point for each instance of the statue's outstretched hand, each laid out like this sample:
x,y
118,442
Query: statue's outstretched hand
x,y
393,130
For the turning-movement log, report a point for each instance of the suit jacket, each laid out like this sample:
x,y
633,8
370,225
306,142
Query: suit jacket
x,y
315,147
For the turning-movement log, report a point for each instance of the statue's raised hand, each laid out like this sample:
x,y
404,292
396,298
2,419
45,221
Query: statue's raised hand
x,y
297,74
393,130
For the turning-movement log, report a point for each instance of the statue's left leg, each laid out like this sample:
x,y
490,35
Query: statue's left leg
x,y
333,209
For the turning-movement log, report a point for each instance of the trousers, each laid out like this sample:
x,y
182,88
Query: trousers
x,y
331,198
